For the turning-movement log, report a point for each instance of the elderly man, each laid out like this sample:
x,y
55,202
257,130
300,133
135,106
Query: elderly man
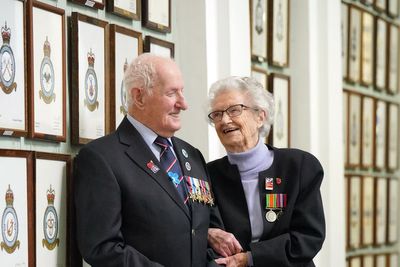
x,y
136,198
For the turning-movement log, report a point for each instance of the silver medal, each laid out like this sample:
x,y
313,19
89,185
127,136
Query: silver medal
x,y
270,216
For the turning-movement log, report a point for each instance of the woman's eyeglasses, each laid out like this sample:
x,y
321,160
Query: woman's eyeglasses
x,y
232,111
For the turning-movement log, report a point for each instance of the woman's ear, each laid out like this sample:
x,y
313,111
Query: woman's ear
x,y
261,117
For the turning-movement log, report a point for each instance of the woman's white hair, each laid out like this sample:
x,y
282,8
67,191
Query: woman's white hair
x,y
258,96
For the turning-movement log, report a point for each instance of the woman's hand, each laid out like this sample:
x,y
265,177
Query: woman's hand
x,y
223,243
238,260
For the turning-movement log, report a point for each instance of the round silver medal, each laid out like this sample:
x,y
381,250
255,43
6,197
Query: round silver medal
x,y
270,216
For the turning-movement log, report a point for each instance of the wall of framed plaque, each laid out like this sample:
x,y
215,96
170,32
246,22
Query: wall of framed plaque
x,y
61,85
269,43
370,50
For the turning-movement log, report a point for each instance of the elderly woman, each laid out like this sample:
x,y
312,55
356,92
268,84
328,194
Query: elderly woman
x,y
269,203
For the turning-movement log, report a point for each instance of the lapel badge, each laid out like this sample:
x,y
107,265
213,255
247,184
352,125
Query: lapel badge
x,y
152,166
269,183
278,181
188,166
184,153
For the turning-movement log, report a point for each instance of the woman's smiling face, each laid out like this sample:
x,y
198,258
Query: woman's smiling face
x,y
239,133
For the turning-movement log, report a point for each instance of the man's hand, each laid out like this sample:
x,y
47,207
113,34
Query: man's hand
x,y
223,243
238,260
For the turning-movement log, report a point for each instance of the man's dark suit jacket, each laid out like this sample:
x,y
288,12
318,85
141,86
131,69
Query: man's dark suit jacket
x,y
297,235
130,214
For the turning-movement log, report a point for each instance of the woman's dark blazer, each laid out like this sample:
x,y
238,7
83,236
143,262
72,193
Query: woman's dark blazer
x,y
298,233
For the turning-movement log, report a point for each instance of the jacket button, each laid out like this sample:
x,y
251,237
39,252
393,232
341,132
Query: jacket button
x,y
193,232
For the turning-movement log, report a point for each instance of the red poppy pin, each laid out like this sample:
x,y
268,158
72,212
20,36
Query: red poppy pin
x,y
278,181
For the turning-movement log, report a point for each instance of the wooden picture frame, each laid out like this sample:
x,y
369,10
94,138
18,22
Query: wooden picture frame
x,y
16,188
380,223
393,60
393,260
354,46
345,127
354,212
367,48
367,2
13,85
354,137
380,134
367,132
380,5
156,15
89,79
279,86
259,30
125,46
47,74
393,8
355,261
380,260
344,25
380,54
367,211
52,207
261,75
130,9
278,35
392,137
159,47
96,4
393,210
368,260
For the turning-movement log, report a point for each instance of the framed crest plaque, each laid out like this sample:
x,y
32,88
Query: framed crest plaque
x,y
367,211
380,53
345,126
380,211
393,60
393,209
17,219
259,30
130,9
354,141
97,4
156,15
354,51
393,8
13,88
354,212
345,34
279,86
367,48
380,135
367,132
368,261
47,74
159,47
260,75
51,208
380,5
393,141
278,15
89,93
125,46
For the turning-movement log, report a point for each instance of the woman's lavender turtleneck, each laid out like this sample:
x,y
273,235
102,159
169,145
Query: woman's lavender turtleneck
x,y
250,163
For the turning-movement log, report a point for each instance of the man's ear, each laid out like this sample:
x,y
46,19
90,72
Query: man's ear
x,y
138,97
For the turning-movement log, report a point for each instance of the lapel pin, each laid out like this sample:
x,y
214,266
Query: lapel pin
x,y
187,165
184,153
152,166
